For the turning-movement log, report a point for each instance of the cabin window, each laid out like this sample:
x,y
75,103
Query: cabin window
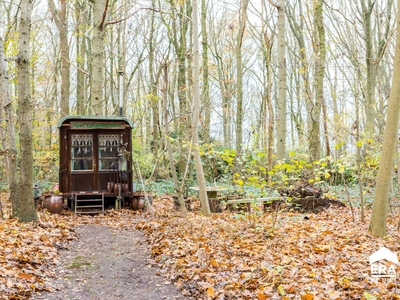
x,y
108,152
81,152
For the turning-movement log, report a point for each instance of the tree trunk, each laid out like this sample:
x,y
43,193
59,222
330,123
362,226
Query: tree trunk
x,y
5,100
281,105
239,74
206,85
153,92
168,144
26,211
60,17
225,87
320,54
122,34
177,35
205,208
374,50
81,48
270,144
377,225
97,62
8,136
367,7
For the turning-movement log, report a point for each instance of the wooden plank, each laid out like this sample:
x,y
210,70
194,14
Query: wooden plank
x,y
250,200
210,188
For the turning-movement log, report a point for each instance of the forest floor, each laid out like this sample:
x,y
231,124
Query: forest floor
x,y
260,255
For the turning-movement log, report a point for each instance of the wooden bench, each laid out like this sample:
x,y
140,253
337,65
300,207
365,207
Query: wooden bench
x,y
213,197
245,203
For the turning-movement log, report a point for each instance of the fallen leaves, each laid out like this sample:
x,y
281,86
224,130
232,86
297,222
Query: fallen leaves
x,y
27,254
278,255
230,256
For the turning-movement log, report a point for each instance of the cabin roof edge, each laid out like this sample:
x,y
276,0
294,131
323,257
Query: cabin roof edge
x,y
93,118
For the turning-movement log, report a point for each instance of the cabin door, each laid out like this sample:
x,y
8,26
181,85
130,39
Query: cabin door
x,y
83,162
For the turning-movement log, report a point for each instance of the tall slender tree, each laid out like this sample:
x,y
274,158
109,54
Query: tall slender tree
x,y
100,8
319,74
23,206
60,17
281,117
81,12
205,208
239,75
206,79
8,136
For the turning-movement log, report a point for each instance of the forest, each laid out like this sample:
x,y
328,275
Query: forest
x,y
287,110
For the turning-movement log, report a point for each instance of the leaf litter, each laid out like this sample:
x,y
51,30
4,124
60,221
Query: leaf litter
x,y
274,255
257,255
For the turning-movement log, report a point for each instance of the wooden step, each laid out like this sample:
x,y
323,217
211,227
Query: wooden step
x,y
89,206
99,201
88,200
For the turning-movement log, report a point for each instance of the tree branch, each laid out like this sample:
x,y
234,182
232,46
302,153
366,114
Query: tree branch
x,y
76,67
132,14
274,4
104,15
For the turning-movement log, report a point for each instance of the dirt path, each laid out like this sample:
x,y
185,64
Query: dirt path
x,y
106,263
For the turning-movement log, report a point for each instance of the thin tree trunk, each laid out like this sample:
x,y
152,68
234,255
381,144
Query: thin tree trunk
x,y
168,144
239,74
81,48
225,87
122,63
270,118
359,161
206,85
5,102
281,105
8,136
60,17
326,132
367,7
153,92
269,133
320,54
205,207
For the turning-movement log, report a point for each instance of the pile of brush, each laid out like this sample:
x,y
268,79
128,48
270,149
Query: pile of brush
x,y
307,197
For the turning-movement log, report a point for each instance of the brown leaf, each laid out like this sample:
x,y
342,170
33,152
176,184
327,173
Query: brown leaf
x,y
26,276
261,296
307,297
210,292
214,263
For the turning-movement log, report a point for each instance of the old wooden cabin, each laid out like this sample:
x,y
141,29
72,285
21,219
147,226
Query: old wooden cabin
x,y
95,162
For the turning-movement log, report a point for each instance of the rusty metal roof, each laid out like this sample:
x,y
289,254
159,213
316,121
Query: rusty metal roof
x,y
93,118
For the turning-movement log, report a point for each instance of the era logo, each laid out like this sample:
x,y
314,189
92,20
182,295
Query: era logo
x,y
383,263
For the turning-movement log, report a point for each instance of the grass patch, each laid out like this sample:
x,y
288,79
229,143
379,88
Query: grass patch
x,y
79,262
